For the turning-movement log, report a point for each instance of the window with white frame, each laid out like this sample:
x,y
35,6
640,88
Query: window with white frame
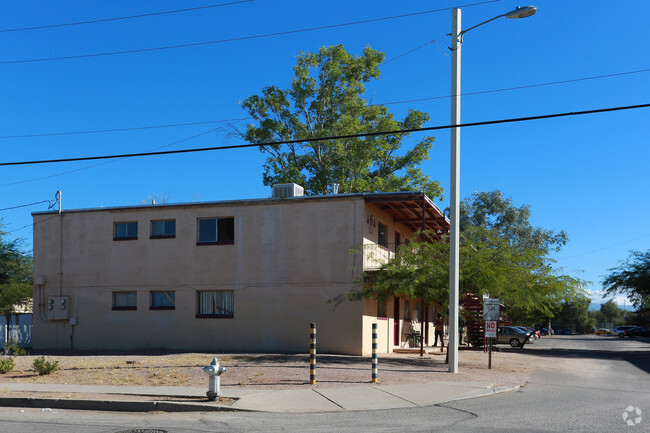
x,y
125,231
163,229
162,300
125,300
216,231
215,303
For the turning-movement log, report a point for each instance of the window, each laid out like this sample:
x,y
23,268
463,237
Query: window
x,y
125,231
407,310
381,235
216,231
162,300
382,311
215,303
125,301
398,240
163,229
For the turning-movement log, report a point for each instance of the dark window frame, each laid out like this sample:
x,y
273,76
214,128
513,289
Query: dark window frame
x,y
128,236
382,235
165,235
227,315
124,307
224,231
162,307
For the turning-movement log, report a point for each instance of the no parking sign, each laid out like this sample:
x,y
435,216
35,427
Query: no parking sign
x,y
491,329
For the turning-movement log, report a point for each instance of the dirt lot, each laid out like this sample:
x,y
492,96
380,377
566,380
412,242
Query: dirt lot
x,y
276,371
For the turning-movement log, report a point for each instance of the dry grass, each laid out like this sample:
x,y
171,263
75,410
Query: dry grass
x,y
272,370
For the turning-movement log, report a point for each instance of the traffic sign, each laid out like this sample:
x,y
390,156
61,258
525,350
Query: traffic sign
x,y
491,329
491,309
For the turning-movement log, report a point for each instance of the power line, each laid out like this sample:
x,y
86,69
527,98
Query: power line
x,y
173,125
50,26
109,162
527,86
240,38
25,205
339,137
137,128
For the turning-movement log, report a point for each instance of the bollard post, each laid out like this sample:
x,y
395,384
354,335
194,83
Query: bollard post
x,y
374,353
312,353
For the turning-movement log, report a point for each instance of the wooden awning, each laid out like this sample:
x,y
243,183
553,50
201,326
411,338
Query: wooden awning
x,y
413,209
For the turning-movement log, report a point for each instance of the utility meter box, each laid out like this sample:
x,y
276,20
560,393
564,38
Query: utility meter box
x,y
58,307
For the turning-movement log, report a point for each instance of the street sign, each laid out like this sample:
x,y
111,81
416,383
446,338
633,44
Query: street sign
x,y
491,329
491,309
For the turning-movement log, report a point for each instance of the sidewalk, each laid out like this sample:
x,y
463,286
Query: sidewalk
x,y
186,399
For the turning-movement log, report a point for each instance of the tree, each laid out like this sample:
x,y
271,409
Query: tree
x,y
576,312
326,100
501,255
631,278
492,211
610,312
15,275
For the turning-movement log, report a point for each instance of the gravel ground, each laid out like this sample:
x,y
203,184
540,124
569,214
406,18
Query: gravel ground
x,y
275,371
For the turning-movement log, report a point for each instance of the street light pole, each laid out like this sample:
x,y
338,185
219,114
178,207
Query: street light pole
x,y
454,207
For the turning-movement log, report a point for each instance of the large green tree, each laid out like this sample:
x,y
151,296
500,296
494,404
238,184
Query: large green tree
x,y
327,99
501,255
631,278
15,275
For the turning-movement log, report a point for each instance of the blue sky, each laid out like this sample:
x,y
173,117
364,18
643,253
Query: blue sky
x,y
587,175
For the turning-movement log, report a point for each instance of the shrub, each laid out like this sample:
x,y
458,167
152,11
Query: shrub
x,y
7,364
12,348
43,367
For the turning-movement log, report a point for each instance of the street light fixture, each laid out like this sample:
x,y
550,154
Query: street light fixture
x,y
457,41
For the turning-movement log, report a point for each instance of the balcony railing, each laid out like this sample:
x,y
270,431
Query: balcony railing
x,y
375,255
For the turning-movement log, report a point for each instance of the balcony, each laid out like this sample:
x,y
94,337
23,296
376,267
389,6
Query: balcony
x,y
375,255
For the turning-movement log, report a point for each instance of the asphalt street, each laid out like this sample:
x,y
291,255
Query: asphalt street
x,y
580,384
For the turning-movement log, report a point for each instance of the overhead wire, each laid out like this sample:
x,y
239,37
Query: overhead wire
x,y
117,159
173,125
25,205
103,20
338,137
137,128
241,38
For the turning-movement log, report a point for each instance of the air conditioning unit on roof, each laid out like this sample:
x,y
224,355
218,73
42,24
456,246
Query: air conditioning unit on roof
x,y
286,190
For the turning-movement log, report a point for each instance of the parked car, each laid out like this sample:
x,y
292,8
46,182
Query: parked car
x,y
637,331
620,330
512,335
602,331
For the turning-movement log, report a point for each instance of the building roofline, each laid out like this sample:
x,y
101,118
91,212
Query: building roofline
x,y
368,197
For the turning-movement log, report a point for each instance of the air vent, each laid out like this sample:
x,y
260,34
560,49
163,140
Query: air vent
x,y
286,190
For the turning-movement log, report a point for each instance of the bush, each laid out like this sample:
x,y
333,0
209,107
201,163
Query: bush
x,y
7,364
12,348
43,367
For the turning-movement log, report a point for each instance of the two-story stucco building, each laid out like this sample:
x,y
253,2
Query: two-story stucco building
x,y
244,275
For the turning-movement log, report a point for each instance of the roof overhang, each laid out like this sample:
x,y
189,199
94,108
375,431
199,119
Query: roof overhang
x,y
413,209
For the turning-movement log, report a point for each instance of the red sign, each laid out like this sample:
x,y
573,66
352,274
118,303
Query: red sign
x,y
491,329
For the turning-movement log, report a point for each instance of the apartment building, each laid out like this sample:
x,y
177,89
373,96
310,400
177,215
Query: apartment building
x,y
242,275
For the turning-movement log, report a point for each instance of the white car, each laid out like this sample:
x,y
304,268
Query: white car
x,y
619,331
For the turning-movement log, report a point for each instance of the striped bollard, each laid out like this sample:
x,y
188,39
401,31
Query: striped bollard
x,y
374,353
312,353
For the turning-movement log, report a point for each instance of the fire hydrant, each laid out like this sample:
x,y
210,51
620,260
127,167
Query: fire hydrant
x,y
214,371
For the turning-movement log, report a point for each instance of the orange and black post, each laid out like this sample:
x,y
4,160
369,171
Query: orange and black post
x,y
312,353
374,353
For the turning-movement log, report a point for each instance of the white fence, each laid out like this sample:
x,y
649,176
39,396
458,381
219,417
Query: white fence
x,y
16,328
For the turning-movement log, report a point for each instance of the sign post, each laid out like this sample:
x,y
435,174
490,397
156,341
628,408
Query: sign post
x,y
491,314
490,332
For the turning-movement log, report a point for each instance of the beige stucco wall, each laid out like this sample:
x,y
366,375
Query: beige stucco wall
x,y
288,259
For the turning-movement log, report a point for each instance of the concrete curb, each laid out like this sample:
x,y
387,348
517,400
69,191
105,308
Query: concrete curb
x,y
114,405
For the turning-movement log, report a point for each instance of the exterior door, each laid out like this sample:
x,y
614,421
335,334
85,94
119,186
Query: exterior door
x,y
396,322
